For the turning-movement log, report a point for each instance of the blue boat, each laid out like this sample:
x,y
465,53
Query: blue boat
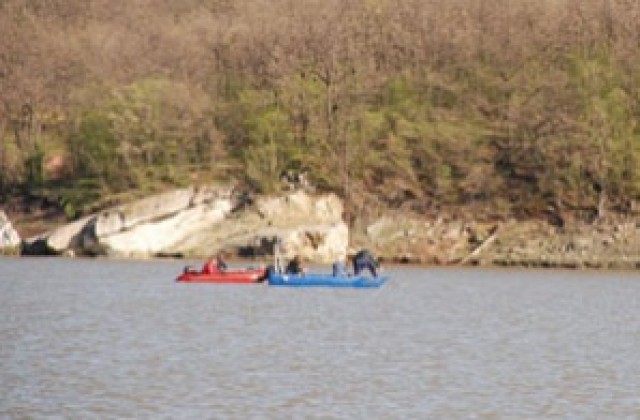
x,y
324,280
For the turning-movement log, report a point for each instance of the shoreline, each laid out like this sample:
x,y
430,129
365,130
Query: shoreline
x,y
404,238
606,266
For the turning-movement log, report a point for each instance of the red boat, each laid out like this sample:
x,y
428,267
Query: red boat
x,y
226,276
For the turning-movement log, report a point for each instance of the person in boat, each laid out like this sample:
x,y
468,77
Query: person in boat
x,y
340,269
364,260
221,264
214,264
295,266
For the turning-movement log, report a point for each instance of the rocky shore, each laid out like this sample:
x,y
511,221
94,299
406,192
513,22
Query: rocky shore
x,y
201,221
9,237
534,243
198,222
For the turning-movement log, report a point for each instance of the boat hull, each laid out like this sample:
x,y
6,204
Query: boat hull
x,y
325,280
229,276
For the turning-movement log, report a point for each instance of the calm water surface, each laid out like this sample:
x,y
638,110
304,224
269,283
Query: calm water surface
x,y
120,339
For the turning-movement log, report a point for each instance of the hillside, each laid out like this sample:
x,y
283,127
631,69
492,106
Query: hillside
x,y
466,108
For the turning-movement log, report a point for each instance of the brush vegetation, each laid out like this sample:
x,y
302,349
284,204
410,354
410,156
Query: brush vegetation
x,y
497,109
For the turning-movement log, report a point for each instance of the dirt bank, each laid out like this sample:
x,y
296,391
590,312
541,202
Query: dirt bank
x,y
606,244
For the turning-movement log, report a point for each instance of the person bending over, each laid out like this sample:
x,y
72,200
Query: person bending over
x,y
364,260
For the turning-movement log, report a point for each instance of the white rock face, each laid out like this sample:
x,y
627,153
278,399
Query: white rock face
x,y
146,239
109,222
9,237
66,237
308,225
319,243
200,222
72,235
298,205
157,206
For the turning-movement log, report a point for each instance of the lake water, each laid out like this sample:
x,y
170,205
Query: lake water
x,y
120,339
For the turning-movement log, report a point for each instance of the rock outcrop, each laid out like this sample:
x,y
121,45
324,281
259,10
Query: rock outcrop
x,y
410,239
308,225
603,244
201,221
138,229
198,222
9,238
533,243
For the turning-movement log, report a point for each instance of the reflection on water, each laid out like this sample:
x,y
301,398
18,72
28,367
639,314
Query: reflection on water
x,y
95,338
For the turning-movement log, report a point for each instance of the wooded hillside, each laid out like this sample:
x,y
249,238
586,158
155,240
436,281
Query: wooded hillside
x,y
502,108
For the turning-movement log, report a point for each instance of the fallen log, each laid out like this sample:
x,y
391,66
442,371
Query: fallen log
x,y
492,236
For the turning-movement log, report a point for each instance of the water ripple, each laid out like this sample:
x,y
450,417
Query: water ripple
x,y
118,339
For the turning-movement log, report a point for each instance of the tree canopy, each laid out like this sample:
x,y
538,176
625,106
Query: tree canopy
x,y
502,108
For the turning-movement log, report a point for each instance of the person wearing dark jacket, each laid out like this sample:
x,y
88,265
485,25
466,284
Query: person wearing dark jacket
x,y
221,264
364,260
295,266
